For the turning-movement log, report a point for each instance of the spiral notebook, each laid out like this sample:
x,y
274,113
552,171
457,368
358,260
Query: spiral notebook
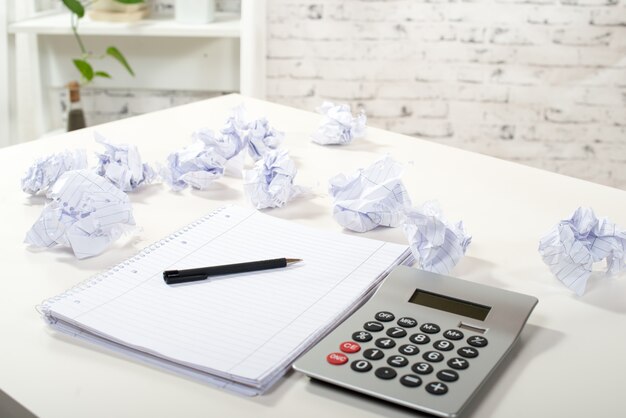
x,y
242,331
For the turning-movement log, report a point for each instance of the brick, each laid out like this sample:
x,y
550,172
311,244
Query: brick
x,y
293,68
590,2
547,55
522,35
347,90
601,57
616,115
379,109
609,17
290,88
528,1
472,35
399,11
421,128
545,95
286,48
397,89
517,75
552,132
366,70
477,93
491,13
557,16
491,54
587,37
603,96
438,32
574,114
494,113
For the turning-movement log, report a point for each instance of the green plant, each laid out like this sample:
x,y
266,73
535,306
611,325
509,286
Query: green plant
x,y
77,9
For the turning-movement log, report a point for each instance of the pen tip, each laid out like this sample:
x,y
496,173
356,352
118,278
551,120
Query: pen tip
x,y
293,260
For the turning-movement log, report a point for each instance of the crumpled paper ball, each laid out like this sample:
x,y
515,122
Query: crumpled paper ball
x,y
270,183
436,244
46,171
338,126
370,197
196,165
87,213
121,164
573,245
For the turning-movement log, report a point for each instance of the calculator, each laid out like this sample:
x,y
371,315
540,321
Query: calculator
x,y
424,341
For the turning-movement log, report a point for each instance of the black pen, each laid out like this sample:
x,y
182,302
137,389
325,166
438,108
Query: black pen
x,y
192,275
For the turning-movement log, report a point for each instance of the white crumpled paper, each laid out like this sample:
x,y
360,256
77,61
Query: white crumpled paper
x,y
270,183
338,126
573,245
370,197
196,165
436,245
87,213
227,145
46,170
262,138
121,164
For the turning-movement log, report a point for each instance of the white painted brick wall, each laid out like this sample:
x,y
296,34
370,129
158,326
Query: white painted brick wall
x,y
541,82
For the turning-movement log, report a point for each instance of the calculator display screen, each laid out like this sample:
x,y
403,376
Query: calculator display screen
x,y
448,304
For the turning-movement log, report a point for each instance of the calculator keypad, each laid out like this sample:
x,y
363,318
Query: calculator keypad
x,y
437,359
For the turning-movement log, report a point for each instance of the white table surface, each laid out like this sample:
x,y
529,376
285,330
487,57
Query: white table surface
x,y
570,361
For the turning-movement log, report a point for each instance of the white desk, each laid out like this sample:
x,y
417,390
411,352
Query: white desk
x,y
570,361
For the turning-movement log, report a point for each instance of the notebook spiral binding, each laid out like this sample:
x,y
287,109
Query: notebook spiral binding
x,y
44,307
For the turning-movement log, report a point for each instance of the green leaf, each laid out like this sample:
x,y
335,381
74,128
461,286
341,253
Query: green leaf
x,y
129,1
75,7
85,69
102,74
115,53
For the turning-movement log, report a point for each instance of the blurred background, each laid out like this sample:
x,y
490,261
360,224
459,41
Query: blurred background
x,y
539,82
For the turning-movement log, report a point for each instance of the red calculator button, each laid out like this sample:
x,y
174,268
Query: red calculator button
x,y
337,358
349,347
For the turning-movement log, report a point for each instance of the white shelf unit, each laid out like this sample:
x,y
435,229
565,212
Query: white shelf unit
x,y
226,25
225,55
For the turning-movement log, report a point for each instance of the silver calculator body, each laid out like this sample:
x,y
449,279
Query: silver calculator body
x,y
424,341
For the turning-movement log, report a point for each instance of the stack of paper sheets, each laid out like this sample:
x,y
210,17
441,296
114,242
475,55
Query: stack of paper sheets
x,y
241,331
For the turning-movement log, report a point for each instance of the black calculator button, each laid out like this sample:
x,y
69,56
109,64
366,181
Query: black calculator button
x,y
373,326
436,388
429,328
467,352
384,316
407,322
385,373
361,366
385,343
453,334
373,354
408,349
477,341
433,356
411,380
419,338
458,363
442,345
422,368
396,332
362,336
448,375
397,361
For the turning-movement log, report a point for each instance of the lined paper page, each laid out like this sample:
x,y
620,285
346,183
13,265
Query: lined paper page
x,y
242,326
